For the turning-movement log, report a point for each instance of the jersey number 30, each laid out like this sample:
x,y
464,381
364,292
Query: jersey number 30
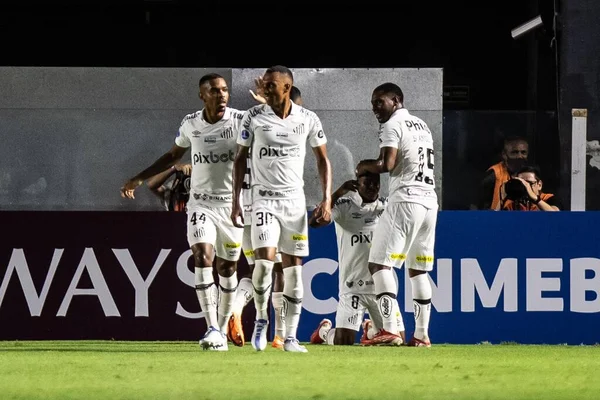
x,y
425,173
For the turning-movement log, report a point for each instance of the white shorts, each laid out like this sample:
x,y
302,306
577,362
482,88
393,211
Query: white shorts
x,y
405,232
351,310
280,223
213,225
247,245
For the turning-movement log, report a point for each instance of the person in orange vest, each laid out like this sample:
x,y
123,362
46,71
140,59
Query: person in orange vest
x,y
524,193
514,156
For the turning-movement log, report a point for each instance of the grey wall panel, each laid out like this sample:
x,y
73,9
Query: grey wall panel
x,y
68,87
350,89
78,159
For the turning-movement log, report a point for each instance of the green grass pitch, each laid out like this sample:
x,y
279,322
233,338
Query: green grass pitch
x,y
181,370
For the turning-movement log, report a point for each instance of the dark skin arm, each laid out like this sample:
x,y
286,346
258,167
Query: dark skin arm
x,y
323,211
385,162
239,170
346,187
155,183
166,161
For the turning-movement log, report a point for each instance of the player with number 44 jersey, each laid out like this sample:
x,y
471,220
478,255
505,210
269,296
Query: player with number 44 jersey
x,y
406,232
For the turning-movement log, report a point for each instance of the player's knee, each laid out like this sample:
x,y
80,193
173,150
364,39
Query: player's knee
x,y
226,268
278,280
415,272
202,257
343,337
376,268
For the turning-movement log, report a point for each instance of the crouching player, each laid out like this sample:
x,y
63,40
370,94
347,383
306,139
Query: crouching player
x,y
356,211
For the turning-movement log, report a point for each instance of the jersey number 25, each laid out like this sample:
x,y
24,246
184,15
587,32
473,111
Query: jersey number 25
x,y
425,173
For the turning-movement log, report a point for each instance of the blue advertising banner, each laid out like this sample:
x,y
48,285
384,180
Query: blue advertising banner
x,y
499,277
529,277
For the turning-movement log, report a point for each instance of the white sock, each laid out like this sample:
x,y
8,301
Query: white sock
x,y
421,290
293,291
385,288
227,289
398,315
372,331
262,280
330,336
205,286
244,293
279,311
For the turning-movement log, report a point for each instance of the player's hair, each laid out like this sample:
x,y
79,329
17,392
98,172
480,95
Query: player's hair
x,y
513,139
392,88
368,175
209,77
295,94
282,70
534,169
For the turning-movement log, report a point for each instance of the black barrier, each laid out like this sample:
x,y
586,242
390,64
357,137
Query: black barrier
x,y
99,275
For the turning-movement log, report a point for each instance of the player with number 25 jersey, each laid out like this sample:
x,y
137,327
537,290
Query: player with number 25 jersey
x,y
406,232
411,183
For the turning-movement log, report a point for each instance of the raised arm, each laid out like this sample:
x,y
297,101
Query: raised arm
x,y
156,182
166,161
385,162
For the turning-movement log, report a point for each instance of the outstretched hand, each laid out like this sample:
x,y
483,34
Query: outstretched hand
x,y
129,187
259,95
185,168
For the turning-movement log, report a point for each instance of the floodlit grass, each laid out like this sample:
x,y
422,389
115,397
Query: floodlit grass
x,y
181,370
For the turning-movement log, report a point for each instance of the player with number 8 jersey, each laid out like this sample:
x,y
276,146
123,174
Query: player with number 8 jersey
x,y
406,232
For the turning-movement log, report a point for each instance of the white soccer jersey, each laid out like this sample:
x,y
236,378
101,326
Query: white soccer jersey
x,y
412,178
213,153
279,148
247,190
354,226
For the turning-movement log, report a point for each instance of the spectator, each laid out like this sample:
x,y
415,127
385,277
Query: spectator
x,y
514,156
524,193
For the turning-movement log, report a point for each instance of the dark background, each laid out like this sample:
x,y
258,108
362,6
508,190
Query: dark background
x,y
471,40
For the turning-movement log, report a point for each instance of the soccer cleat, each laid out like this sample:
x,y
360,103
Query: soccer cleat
x,y
317,335
366,325
414,342
235,333
384,338
221,347
214,340
292,344
277,343
259,336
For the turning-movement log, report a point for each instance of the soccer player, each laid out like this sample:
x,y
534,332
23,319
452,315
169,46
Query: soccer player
x,y
278,133
245,291
356,211
406,230
211,133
